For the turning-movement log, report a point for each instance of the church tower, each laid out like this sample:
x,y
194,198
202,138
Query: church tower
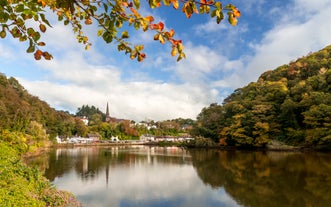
x,y
107,114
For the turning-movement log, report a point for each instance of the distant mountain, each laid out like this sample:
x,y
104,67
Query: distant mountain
x,y
291,104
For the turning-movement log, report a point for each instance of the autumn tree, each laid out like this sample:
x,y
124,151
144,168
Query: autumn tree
x,y
112,17
291,104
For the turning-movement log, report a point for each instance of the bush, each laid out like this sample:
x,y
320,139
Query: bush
x,y
21,185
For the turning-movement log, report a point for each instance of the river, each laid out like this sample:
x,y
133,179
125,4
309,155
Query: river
x,y
143,176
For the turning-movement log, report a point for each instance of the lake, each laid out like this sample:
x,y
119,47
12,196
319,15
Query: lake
x,y
125,176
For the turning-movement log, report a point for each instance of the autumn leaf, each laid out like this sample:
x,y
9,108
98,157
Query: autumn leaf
x,y
175,4
42,2
174,51
149,18
38,54
161,26
88,21
141,57
108,17
47,56
41,44
42,28
236,12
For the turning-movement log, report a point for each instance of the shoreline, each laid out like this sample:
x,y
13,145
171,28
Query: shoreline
x,y
271,146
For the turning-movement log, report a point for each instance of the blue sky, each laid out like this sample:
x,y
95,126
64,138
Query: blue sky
x,y
220,58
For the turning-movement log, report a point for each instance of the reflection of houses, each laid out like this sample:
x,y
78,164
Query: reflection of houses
x,y
147,138
152,138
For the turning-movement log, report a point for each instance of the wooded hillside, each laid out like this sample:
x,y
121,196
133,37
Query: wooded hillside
x,y
291,104
26,120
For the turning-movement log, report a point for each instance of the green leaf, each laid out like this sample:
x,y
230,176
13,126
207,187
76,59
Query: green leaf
x,y
218,5
30,31
31,49
100,32
19,8
107,37
136,25
119,23
230,7
3,34
136,3
105,6
4,17
44,19
36,36
166,2
125,34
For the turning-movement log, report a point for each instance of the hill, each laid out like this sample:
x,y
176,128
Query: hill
x,y
27,121
291,105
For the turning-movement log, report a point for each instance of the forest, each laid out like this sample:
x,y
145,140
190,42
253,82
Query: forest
x,y
291,105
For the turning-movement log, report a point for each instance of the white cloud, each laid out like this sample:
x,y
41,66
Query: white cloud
x,y
130,100
287,41
211,26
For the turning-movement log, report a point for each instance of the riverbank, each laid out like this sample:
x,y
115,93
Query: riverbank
x,y
200,142
21,185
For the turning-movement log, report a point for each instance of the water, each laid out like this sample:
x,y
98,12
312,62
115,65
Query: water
x,y
170,176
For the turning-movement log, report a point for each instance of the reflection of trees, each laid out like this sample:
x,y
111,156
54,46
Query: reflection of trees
x,y
267,178
91,162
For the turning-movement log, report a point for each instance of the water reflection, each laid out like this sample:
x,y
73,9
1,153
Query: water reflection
x,y
268,178
170,176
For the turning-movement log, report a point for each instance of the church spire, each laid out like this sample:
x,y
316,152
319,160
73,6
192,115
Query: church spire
x,y
107,114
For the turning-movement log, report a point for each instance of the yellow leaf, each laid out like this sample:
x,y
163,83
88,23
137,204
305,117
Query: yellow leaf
x,y
161,39
232,19
174,51
175,4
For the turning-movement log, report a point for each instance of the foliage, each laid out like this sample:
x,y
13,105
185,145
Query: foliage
x,y
126,129
112,17
89,112
34,119
291,104
199,142
24,186
208,122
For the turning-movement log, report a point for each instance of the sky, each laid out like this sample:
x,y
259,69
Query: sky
x,y
219,59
